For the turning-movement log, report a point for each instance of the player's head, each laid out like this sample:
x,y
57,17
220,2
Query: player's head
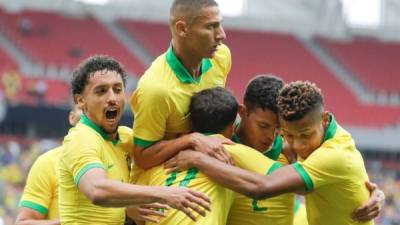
x,y
302,116
74,115
196,27
213,111
98,88
259,119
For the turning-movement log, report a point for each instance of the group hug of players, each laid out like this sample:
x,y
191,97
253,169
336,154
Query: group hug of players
x,y
195,155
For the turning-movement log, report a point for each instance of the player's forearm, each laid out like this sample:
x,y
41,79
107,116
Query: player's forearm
x,y
161,151
37,222
110,193
283,180
234,178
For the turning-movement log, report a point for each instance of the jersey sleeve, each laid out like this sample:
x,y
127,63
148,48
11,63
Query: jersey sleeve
x,y
81,156
322,167
40,186
251,160
151,110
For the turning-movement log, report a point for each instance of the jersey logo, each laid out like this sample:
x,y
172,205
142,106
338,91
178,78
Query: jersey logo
x,y
110,166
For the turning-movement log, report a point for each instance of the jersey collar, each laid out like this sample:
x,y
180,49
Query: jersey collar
x,y
272,153
276,149
332,127
181,72
85,120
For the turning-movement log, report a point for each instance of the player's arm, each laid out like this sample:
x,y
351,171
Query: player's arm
x,y
27,216
164,150
372,208
283,180
152,106
37,195
110,193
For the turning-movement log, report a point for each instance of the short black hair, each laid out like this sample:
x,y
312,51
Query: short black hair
x,y
262,92
297,99
88,67
212,110
190,7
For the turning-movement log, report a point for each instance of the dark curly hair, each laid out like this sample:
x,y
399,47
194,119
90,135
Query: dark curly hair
x,y
212,110
298,98
262,92
88,67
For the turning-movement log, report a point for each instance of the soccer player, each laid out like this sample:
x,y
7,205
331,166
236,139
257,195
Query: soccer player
x,y
93,171
39,202
330,168
195,60
259,129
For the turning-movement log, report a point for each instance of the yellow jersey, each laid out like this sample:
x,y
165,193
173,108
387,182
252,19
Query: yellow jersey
x,y
41,189
300,213
335,176
278,210
160,103
86,147
221,198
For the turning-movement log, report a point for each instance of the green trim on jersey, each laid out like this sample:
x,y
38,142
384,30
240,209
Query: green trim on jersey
x,y
85,120
331,131
84,170
296,205
272,153
274,167
143,143
305,176
32,205
276,148
181,72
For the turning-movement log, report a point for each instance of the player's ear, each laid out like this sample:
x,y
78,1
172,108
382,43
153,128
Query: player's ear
x,y
325,119
181,28
80,102
242,110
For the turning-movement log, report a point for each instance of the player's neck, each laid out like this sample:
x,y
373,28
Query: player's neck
x,y
191,62
241,133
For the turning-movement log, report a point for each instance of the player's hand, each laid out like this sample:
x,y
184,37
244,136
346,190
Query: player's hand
x,y
289,154
374,205
147,213
186,200
182,161
212,146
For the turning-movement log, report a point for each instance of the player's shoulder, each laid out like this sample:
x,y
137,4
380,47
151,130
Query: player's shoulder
x,y
155,71
83,135
125,133
49,156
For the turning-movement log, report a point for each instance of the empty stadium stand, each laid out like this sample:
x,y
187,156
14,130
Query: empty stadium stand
x,y
55,39
6,62
375,63
51,37
259,52
154,36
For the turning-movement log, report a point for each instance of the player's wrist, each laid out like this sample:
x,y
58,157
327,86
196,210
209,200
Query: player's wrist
x,y
194,140
197,160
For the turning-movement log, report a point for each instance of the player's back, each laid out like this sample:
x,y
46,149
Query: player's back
x,y
221,198
246,211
